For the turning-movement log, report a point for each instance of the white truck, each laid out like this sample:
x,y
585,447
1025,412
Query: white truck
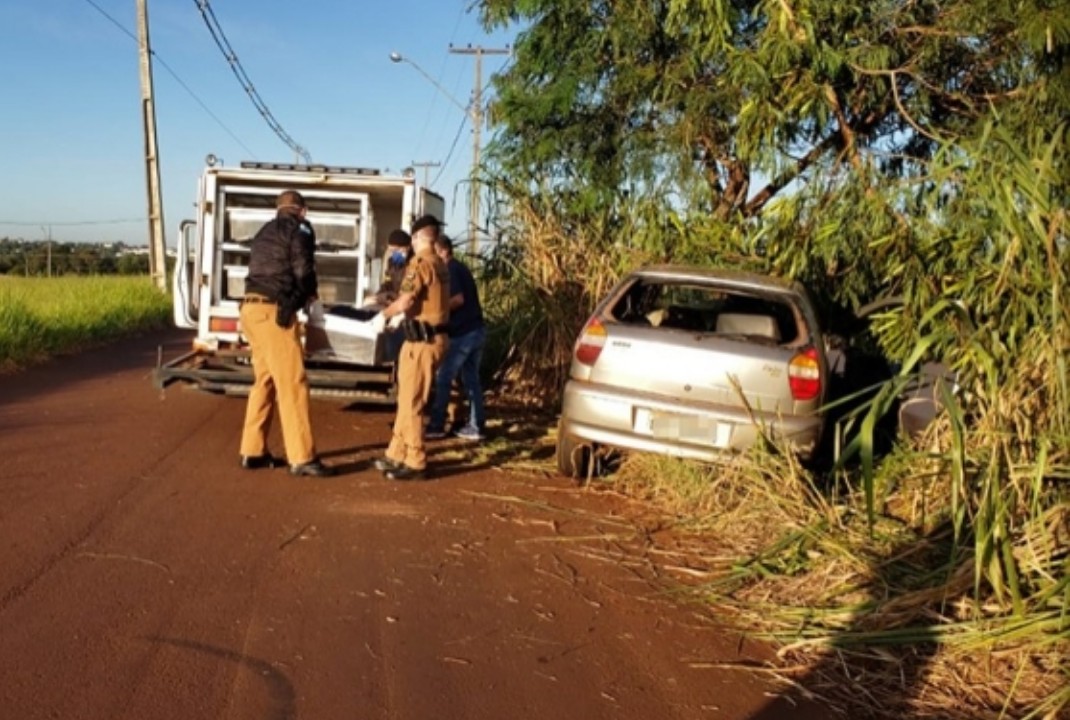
x,y
353,211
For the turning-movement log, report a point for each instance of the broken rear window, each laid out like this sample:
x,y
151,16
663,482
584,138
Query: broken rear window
x,y
709,309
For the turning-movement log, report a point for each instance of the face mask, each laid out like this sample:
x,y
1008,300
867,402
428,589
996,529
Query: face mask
x,y
397,257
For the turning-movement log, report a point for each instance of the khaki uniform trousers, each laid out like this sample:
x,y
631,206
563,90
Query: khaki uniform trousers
x,y
416,376
279,377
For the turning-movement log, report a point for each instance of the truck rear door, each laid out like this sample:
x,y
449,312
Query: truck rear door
x,y
184,291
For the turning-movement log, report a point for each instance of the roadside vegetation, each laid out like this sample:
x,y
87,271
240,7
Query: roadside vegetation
x,y
869,150
44,317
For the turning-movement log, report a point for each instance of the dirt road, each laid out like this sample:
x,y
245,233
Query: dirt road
x,y
144,574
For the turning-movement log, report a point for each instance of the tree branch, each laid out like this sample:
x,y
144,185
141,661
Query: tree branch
x,y
780,181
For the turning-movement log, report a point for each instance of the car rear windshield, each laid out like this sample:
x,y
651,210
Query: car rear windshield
x,y
706,308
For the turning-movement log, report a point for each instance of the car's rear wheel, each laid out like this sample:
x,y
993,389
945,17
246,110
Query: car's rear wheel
x,y
573,456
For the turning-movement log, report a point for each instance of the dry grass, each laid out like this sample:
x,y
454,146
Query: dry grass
x,y
876,620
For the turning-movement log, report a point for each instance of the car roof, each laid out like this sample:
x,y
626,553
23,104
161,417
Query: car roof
x,y
724,276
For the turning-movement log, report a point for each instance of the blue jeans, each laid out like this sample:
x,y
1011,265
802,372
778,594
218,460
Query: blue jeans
x,y
463,356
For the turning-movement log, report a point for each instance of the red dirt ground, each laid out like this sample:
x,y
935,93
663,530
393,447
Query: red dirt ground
x,y
144,574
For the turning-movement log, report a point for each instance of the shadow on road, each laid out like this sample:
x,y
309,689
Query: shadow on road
x,y
515,432
283,699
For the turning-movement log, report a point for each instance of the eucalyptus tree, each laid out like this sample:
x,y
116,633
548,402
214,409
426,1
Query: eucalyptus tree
x,y
719,107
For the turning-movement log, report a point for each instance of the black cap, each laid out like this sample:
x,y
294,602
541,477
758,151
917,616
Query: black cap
x,y
425,221
399,238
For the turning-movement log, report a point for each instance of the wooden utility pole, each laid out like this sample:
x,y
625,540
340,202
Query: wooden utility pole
x,y
477,126
48,264
157,242
427,168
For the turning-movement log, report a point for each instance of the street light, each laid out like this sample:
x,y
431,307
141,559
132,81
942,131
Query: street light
x,y
399,58
474,112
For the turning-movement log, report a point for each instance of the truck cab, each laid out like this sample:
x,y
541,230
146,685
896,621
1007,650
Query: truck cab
x,y
352,210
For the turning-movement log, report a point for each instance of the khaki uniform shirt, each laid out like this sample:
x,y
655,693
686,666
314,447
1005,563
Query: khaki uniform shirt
x,y
391,283
428,279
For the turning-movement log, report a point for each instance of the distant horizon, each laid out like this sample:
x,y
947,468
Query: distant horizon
x,y
55,240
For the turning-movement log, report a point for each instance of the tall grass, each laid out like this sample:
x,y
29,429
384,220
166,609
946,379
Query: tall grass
x,y
43,317
539,286
552,265
875,617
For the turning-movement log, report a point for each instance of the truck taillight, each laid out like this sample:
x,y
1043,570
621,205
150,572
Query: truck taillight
x,y
591,341
804,375
223,324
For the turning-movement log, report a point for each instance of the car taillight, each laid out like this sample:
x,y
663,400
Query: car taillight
x,y
591,341
804,375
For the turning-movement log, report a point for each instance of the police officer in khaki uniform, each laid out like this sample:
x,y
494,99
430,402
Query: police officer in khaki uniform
x,y
398,253
424,300
281,280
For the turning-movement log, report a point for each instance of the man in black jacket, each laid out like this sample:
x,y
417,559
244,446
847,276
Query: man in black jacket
x,y
281,280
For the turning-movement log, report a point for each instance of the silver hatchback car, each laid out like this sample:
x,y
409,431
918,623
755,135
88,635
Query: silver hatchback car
x,y
694,362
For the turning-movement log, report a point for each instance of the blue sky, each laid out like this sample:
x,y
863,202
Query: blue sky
x,y
72,143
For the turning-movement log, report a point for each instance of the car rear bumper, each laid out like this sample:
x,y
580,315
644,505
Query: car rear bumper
x,y
602,415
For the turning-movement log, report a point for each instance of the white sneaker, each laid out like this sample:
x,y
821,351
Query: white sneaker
x,y
469,433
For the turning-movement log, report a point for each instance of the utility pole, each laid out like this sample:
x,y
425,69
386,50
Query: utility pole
x,y
477,126
427,168
157,242
48,262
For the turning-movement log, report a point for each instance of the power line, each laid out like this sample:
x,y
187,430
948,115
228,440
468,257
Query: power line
x,y
239,72
446,162
457,137
205,107
178,79
114,21
437,142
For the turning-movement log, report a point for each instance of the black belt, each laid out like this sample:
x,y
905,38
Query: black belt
x,y
436,329
256,300
422,331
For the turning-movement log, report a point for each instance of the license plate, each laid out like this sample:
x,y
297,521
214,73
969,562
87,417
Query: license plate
x,y
680,426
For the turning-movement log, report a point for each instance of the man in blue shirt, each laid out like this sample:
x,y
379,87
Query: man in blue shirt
x,y
467,335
